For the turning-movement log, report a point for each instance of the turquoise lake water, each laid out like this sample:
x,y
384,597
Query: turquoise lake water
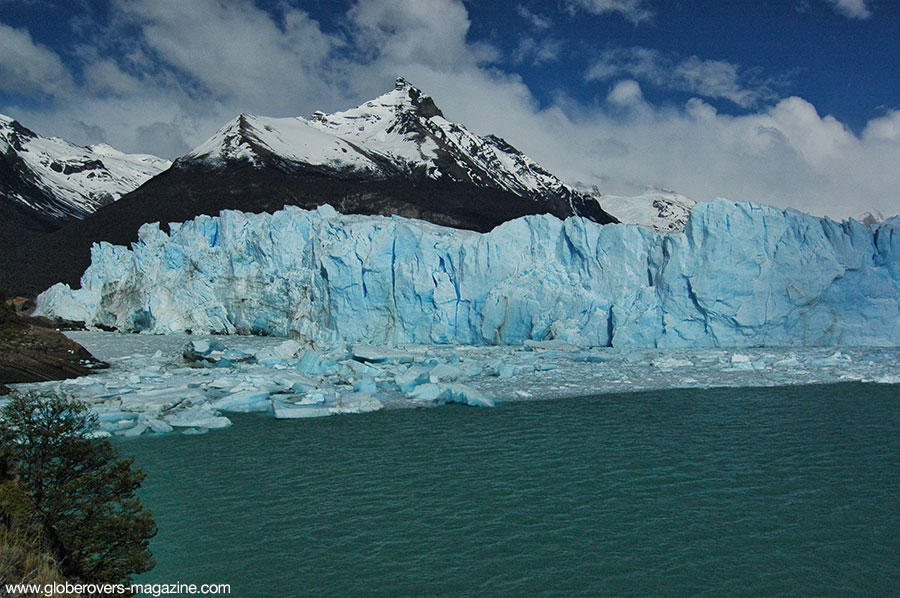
x,y
726,492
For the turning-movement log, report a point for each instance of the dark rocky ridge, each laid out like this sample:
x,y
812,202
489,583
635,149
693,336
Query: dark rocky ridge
x,y
472,190
31,351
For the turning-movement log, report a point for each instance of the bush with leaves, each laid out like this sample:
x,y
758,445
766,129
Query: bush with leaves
x,y
85,493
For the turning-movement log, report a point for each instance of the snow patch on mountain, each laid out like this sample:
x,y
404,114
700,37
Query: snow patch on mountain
x,y
70,180
661,209
401,133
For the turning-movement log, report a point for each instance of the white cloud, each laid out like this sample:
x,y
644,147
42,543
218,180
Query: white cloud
x,y
27,67
193,66
635,11
786,155
536,21
886,128
707,78
625,93
428,32
538,51
235,51
852,9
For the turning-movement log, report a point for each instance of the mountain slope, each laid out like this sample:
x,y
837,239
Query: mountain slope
x,y
50,180
401,135
658,208
394,155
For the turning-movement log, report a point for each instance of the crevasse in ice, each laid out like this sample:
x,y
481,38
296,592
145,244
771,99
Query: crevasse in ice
x,y
739,275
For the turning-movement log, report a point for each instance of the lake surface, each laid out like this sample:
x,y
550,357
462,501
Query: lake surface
x,y
790,491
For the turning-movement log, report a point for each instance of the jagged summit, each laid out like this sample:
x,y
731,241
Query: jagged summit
x,y
400,134
53,180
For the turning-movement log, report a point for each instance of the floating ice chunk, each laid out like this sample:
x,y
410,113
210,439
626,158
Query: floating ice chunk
x,y
279,353
739,358
157,425
375,354
312,363
671,362
367,385
199,349
451,393
283,410
212,353
195,431
788,362
160,399
426,392
361,369
95,434
411,378
197,416
302,384
554,345
282,351
113,420
466,395
356,402
319,395
96,390
132,432
225,382
445,373
471,369
244,402
835,359
508,370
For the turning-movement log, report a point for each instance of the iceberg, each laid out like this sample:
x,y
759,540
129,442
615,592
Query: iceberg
x,y
738,275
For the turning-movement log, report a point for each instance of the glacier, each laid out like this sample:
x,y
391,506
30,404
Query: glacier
x,y
738,275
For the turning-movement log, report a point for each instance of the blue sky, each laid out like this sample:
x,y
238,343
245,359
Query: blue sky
x,y
794,103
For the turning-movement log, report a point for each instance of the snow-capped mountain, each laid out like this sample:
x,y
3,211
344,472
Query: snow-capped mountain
x,y
401,135
394,155
661,209
57,180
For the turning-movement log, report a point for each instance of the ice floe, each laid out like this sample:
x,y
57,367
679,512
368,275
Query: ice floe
x,y
191,384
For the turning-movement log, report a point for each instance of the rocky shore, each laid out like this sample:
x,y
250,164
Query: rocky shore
x,y
31,350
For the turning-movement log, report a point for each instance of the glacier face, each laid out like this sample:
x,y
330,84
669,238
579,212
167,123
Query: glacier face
x,y
738,275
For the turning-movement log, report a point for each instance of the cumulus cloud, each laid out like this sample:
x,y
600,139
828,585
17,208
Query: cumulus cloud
x,y
635,11
886,128
852,9
625,93
707,78
428,32
185,69
235,51
27,67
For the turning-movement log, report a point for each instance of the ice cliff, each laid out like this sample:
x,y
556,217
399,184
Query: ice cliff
x,y
738,275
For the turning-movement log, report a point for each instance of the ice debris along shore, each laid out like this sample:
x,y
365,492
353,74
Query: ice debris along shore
x,y
738,275
190,384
